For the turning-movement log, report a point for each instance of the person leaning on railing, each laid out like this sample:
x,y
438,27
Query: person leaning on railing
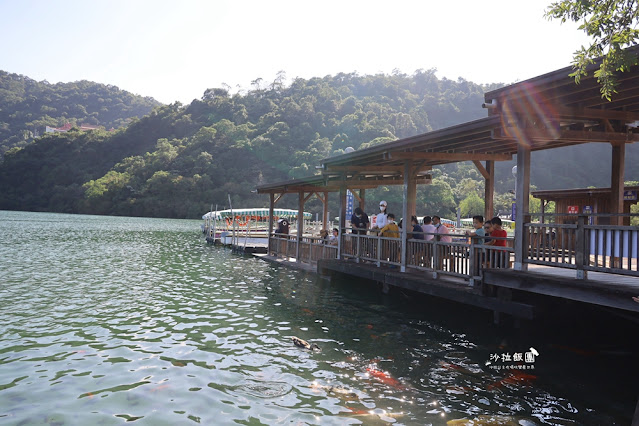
x,y
359,221
498,239
391,230
282,232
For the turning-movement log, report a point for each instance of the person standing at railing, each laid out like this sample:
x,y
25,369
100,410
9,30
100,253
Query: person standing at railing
x,y
443,251
498,239
417,251
282,227
416,234
428,228
391,230
478,224
360,224
334,238
441,230
480,231
382,218
282,234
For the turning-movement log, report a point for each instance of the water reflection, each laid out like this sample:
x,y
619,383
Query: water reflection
x,y
137,319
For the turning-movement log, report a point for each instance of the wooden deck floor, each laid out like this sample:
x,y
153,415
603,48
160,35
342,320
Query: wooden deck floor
x,y
609,290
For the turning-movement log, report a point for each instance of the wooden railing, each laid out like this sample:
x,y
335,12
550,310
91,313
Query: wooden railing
x,y
381,250
464,257
551,244
600,248
612,248
311,249
578,246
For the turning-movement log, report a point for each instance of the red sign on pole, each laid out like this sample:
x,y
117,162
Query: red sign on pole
x,y
573,209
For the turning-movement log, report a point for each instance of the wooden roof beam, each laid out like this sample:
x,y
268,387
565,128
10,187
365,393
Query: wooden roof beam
x,y
448,156
482,169
598,114
306,198
356,185
355,194
571,136
321,198
371,170
524,108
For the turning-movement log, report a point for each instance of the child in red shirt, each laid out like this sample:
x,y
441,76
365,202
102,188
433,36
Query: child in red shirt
x,y
501,256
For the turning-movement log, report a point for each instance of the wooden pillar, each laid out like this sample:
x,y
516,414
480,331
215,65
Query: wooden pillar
x,y
412,198
300,225
543,210
342,218
617,182
405,211
580,248
325,213
362,199
522,200
271,209
489,190
488,173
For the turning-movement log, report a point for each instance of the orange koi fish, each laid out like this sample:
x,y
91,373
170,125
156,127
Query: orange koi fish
x,y
384,378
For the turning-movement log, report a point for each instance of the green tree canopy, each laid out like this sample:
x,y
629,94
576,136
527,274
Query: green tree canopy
x,y
612,25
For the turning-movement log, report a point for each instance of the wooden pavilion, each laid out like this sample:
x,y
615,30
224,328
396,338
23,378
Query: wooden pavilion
x,y
546,112
542,113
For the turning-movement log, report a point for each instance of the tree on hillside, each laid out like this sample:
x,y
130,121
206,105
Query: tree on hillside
x,y
612,24
471,205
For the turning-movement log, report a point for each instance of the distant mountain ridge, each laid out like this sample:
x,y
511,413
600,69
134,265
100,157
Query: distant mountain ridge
x,y
28,106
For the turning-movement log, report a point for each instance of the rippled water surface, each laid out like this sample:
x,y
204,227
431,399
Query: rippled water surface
x,y
105,320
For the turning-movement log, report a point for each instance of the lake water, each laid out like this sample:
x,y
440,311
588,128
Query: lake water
x,y
105,320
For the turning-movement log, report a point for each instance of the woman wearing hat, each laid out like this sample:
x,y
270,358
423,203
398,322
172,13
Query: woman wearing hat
x,y
382,218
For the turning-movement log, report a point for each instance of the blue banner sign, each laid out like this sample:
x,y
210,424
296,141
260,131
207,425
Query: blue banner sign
x,y
588,210
349,204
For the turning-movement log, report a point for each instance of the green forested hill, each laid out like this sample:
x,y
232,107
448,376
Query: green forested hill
x,y
178,160
27,106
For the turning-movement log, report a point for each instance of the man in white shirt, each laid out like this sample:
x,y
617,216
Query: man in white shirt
x,y
428,227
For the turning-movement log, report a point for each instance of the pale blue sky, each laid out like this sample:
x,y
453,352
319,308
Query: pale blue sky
x,y
175,50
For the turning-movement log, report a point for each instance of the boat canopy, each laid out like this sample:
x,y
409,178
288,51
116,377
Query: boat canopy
x,y
504,222
261,212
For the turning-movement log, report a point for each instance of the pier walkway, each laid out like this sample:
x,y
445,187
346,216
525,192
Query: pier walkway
x,y
588,254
